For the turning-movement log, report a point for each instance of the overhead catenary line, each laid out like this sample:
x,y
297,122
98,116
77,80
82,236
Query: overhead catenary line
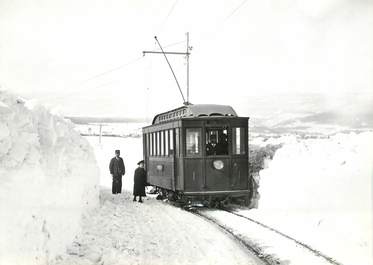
x,y
235,10
112,70
122,66
168,15
175,43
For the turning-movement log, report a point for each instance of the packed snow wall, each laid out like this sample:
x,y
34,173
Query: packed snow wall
x,y
48,180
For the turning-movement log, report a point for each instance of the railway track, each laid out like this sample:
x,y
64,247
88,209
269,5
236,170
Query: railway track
x,y
254,245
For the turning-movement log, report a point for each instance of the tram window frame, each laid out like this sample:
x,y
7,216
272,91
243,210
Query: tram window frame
x,y
150,144
197,144
162,143
177,141
157,143
166,142
154,144
238,148
147,144
171,142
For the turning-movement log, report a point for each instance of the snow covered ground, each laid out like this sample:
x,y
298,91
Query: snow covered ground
x,y
126,232
48,179
320,191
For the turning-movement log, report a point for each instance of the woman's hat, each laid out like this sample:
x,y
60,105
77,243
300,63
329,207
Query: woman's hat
x,y
142,161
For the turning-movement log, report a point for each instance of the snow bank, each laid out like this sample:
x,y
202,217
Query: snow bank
x,y
48,180
320,190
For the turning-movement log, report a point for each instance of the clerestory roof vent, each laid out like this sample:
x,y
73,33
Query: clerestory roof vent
x,y
199,110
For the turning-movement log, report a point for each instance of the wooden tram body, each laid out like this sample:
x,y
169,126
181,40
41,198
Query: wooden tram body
x,y
179,161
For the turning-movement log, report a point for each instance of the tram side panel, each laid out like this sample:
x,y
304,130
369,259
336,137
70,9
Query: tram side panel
x,y
161,172
193,180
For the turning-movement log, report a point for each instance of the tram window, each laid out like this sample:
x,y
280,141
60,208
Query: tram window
x,y
151,144
217,141
155,151
177,141
147,144
171,142
157,144
238,141
162,143
193,140
166,141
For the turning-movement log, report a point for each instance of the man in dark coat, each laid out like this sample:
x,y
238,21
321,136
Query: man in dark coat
x,y
139,181
117,170
211,146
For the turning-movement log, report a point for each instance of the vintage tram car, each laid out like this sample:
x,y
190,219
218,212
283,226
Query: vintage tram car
x,y
198,152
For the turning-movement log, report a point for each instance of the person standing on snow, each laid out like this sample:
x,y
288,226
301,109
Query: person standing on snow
x,y
139,181
117,170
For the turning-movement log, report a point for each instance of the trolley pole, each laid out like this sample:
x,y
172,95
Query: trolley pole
x,y
187,53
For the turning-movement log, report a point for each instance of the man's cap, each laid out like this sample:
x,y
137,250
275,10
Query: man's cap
x,y
142,161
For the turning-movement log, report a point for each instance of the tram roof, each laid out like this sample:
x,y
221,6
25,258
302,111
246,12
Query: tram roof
x,y
195,111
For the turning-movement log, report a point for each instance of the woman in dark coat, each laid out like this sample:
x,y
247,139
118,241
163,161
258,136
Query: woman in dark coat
x,y
139,181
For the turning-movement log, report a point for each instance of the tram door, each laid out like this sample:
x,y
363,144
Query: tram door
x,y
217,159
194,177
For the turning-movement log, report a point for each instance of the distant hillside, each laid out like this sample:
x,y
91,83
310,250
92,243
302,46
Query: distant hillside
x,y
357,120
322,122
87,120
310,113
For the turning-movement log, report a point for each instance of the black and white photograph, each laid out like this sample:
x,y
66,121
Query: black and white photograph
x,y
151,132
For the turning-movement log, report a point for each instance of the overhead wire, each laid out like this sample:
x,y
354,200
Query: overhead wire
x,y
111,70
168,15
235,10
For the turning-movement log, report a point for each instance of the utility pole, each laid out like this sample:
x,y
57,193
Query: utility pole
x,y
187,53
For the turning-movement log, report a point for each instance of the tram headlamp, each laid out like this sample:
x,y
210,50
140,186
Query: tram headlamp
x,y
218,164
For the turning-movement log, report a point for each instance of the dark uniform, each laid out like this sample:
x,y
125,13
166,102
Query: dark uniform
x,y
211,149
139,182
117,170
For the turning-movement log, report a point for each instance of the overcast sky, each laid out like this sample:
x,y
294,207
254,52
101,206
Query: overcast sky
x,y
84,57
